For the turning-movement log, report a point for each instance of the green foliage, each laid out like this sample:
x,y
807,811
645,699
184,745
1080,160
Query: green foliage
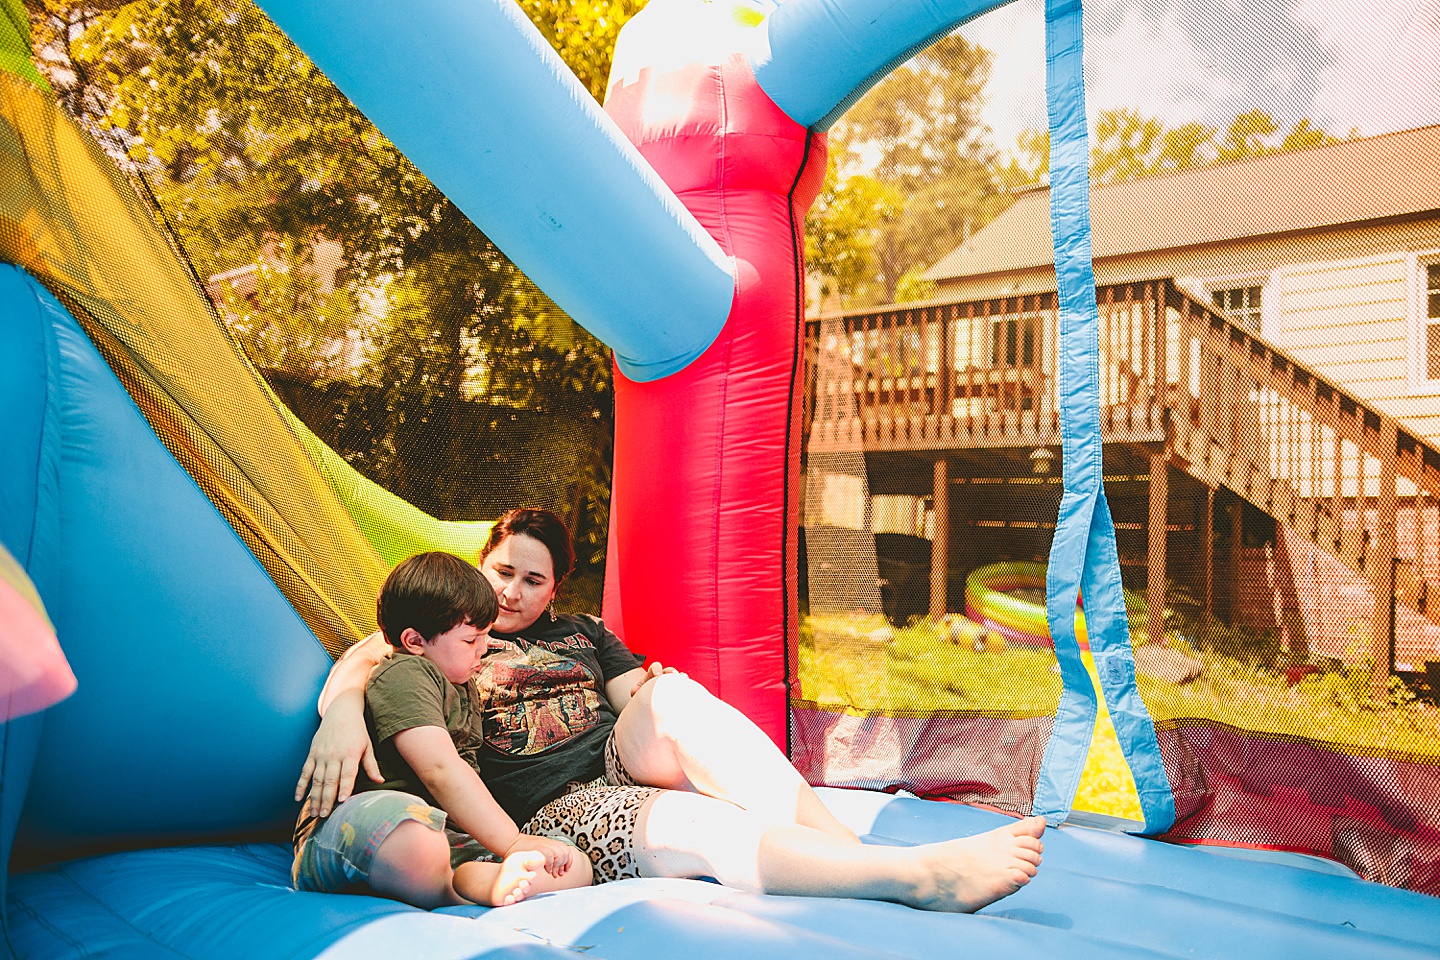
x,y
840,229
914,287
1126,145
911,170
256,159
583,33
289,322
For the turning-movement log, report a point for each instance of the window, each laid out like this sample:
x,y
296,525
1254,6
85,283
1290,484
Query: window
x,y
1239,305
1016,341
1430,299
1422,325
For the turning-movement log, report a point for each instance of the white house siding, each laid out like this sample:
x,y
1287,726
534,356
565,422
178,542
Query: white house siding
x,y
1349,322
1346,320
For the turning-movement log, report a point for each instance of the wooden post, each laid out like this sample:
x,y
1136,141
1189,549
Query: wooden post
x,y
1207,542
1159,531
939,546
1380,559
1232,562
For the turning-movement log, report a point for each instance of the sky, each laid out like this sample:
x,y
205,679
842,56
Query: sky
x,y
1368,66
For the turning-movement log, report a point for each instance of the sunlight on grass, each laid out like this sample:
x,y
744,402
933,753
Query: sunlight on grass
x,y
860,663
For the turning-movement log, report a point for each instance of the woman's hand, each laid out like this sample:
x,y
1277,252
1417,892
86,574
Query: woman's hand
x,y
557,853
619,690
652,671
338,751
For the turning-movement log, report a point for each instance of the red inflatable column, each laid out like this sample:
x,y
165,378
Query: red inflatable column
x,y
704,514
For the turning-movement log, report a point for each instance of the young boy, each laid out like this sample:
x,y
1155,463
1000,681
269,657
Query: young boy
x,y
423,715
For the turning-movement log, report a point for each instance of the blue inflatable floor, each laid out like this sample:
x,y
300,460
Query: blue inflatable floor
x,y
1099,894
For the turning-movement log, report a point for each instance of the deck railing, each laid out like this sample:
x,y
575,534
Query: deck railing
x,y
980,373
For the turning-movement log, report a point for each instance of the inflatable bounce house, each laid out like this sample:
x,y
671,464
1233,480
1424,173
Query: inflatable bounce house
x,y
183,558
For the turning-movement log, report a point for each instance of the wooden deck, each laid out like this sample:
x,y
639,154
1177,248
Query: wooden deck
x,y
1196,391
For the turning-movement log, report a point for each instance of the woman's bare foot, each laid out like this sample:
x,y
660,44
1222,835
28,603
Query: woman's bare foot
x,y
961,876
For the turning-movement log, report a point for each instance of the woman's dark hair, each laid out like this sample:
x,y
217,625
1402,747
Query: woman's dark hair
x,y
540,525
433,593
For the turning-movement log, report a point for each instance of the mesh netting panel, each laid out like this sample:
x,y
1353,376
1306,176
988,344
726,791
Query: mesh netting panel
x,y
71,219
1264,189
1268,259
369,305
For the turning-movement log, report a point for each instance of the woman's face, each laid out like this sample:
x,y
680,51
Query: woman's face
x,y
523,575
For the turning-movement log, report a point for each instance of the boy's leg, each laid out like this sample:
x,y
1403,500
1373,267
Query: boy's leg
x,y
521,875
676,735
395,845
413,865
501,884
685,835
382,841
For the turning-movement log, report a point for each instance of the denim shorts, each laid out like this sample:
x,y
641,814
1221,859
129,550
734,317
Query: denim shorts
x,y
334,854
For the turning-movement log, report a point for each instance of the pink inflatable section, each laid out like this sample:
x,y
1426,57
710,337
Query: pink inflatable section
x,y
718,443
33,671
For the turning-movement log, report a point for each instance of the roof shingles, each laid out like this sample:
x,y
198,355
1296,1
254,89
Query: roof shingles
x,y
1356,181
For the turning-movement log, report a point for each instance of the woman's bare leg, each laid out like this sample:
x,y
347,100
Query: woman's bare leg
x,y
688,835
675,734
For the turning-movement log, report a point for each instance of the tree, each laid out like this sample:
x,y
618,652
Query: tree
x,y
583,32
914,160
1127,146
249,148
290,320
841,231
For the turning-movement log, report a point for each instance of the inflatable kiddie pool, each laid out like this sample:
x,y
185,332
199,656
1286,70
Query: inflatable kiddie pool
x,y
1009,598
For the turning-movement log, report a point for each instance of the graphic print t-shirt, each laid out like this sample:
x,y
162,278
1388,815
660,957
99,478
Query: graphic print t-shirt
x,y
545,715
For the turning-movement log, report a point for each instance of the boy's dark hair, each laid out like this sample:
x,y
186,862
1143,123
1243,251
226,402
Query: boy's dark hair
x,y
433,593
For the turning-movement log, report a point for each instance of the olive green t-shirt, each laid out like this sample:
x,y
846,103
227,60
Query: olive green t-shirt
x,y
409,691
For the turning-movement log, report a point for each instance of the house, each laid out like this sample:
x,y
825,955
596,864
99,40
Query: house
x,y
1330,257
1331,254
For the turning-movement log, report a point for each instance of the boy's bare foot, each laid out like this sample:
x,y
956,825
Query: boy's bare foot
x,y
512,883
499,884
961,876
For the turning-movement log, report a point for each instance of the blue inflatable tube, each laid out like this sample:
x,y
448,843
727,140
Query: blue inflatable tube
x,y
825,54
197,679
476,98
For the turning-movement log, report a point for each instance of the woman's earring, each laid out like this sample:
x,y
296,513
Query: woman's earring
x,y
552,611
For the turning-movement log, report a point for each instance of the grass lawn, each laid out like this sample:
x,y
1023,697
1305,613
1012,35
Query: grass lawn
x,y
861,663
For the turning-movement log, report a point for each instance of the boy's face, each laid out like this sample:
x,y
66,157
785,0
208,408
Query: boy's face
x,y
458,651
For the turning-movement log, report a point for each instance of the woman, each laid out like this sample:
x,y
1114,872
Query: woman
x,y
575,729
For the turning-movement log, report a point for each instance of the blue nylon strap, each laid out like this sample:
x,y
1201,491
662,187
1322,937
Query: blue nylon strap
x,y
477,99
1083,555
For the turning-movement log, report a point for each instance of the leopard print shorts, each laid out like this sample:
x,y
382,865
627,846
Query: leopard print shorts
x,y
598,817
